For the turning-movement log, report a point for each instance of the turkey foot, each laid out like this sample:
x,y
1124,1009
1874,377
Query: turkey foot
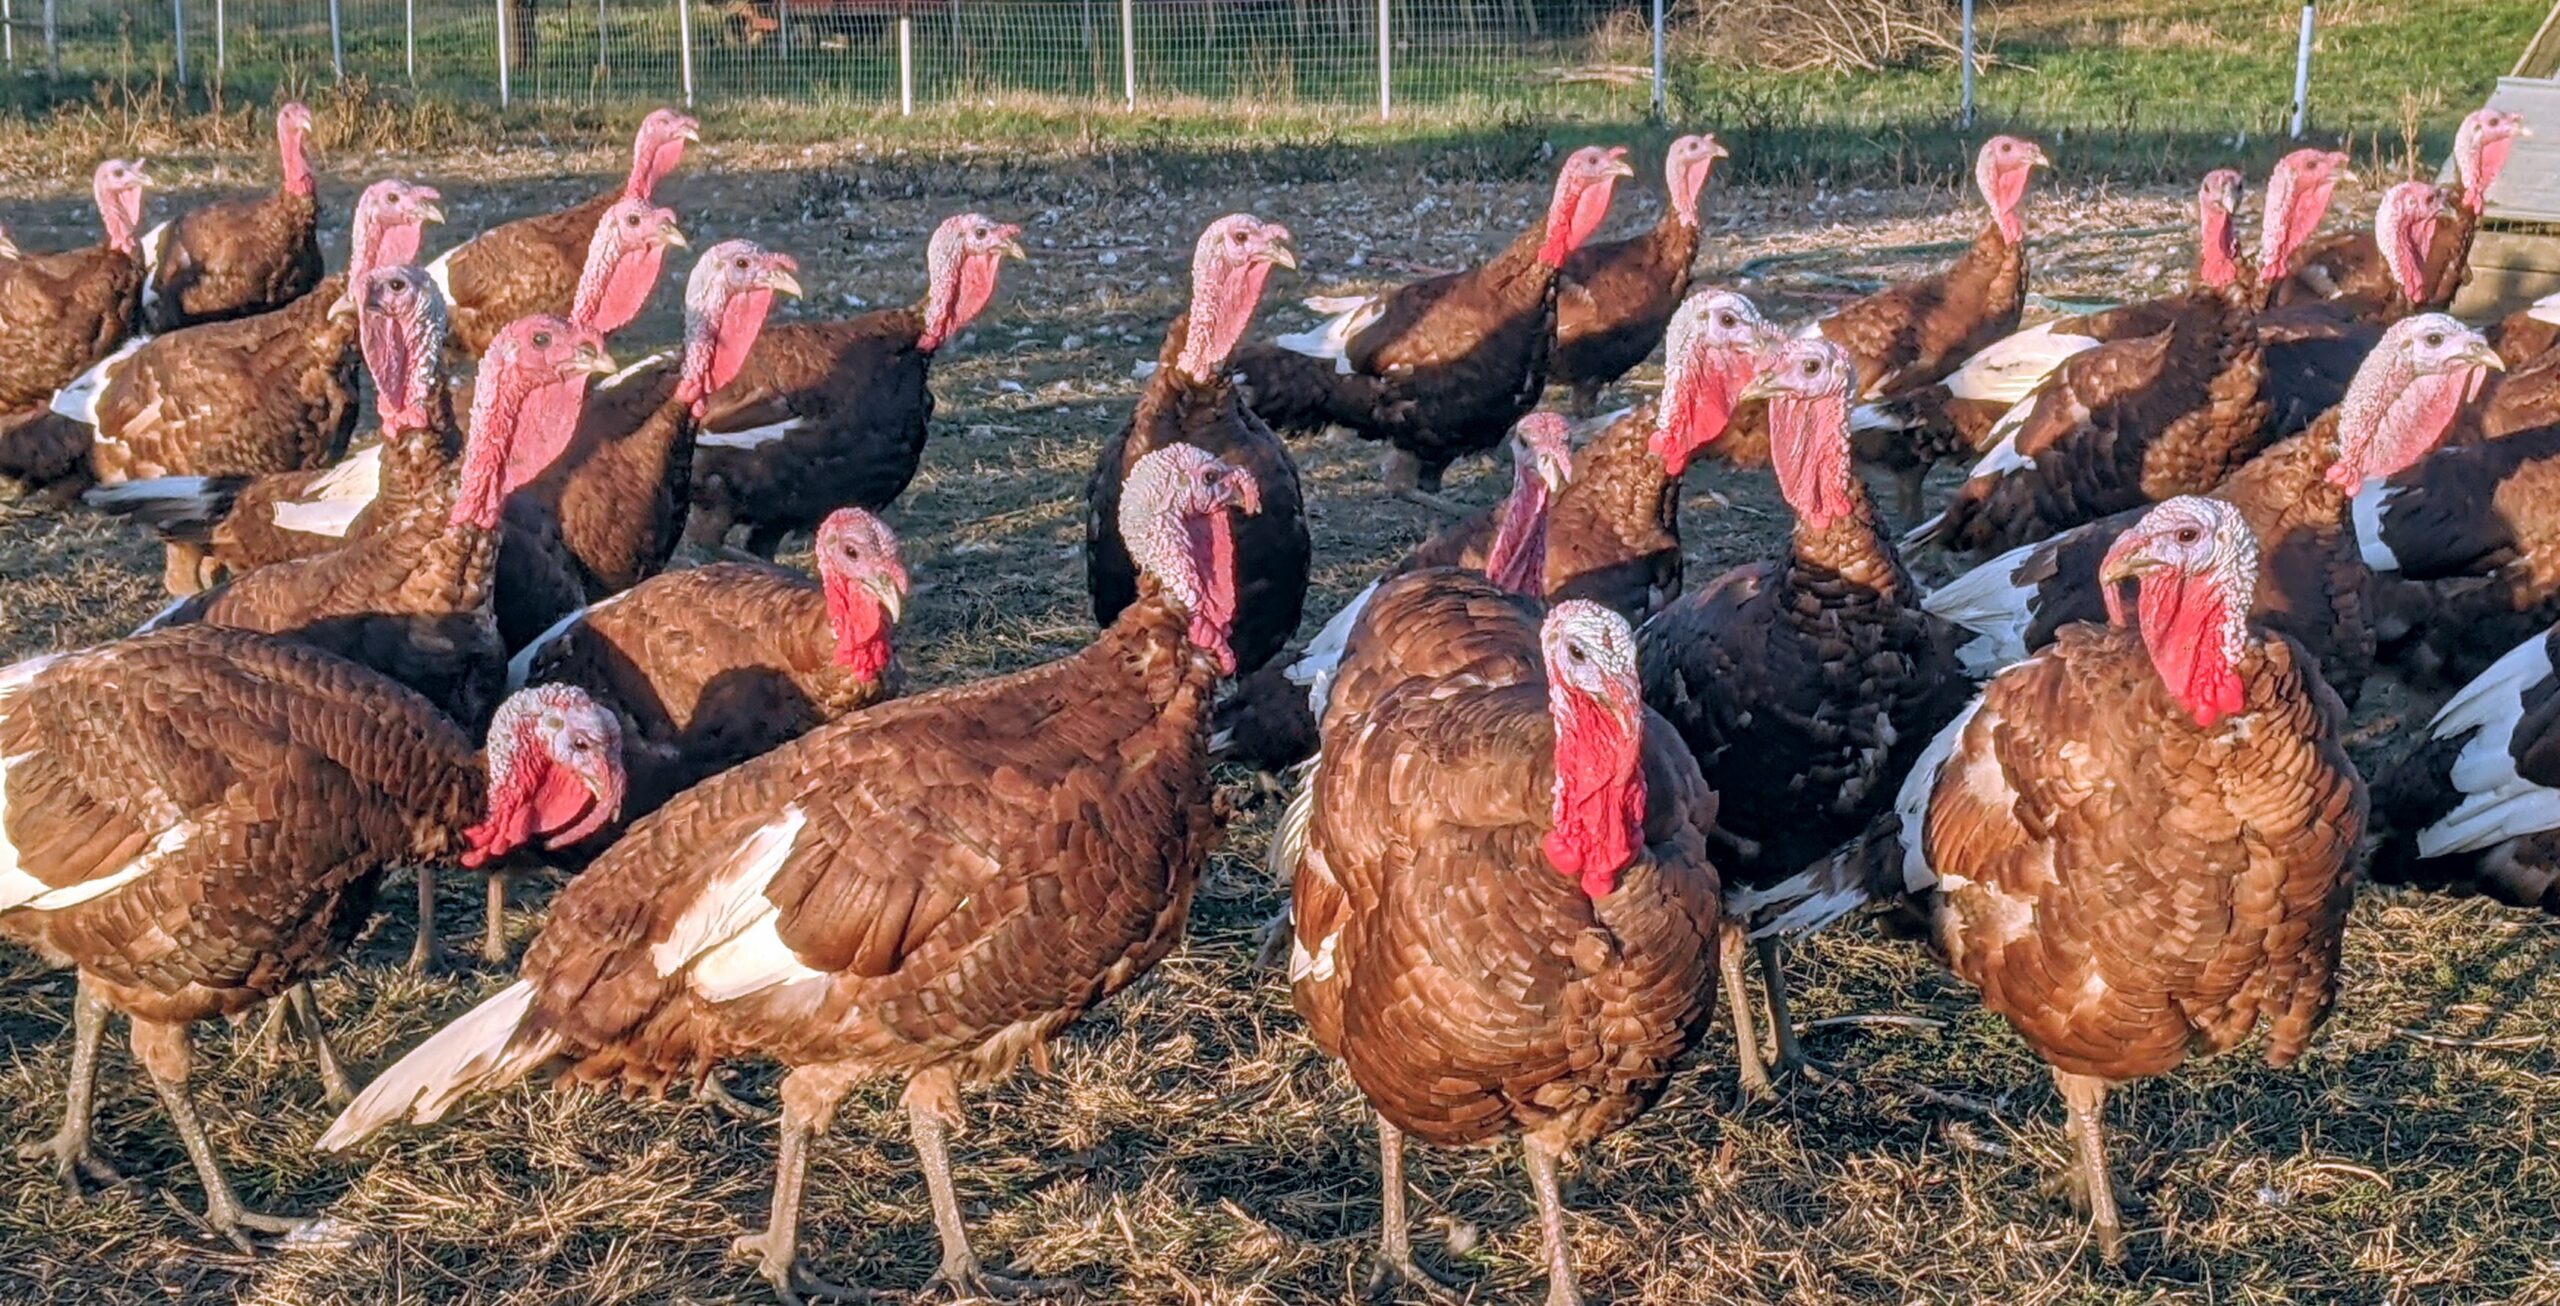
x,y
427,954
715,1095
1273,940
74,1160
792,1279
1791,1060
967,1279
1748,1069
1387,1273
2093,1181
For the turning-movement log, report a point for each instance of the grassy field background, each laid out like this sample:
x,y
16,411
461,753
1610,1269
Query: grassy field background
x,y
1192,1146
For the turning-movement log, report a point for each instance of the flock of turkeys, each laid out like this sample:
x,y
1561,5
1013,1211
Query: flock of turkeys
x,y
1546,791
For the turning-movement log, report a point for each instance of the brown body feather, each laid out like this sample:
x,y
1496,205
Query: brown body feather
x,y
857,389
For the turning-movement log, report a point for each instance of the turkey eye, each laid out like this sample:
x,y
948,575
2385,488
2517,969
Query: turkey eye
x,y
742,265
2187,535
542,340
1725,321
2434,339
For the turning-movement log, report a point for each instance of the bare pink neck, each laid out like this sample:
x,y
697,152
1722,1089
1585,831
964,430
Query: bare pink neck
x,y
1597,817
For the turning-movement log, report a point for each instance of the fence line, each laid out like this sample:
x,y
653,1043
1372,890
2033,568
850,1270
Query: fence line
x,y
1562,58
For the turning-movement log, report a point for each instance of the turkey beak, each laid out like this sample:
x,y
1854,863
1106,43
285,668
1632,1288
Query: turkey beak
x,y
670,237
1716,149
2479,354
430,211
1279,255
594,359
2126,561
891,590
781,282
2036,158
1762,385
1012,249
1241,491
1619,167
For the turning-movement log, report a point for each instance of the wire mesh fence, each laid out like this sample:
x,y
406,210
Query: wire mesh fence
x,y
1505,55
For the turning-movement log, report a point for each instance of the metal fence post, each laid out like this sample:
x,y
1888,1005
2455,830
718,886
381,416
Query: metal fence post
x,y
1965,115
178,38
1658,99
1386,72
502,54
337,44
906,65
52,41
8,36
782,23
409,28
1129,53
684,46
221,41
2302,71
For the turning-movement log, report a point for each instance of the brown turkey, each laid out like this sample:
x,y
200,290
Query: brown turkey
x,y
533,265
196,822
2472,809
1271,720
1443,367
218,526
826,414
1192,400
2139,844
414,599
239,257
2143,419
2359,268
2296,498
59,315
2465,550
712,665
1805,685
257,394
1617,296
929,890
1910,335
1506,915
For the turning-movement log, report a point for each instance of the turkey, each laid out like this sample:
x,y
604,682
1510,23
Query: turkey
x,y
930,890
1617,296
2473,807
1911,334
2141,419
713,665
258,394
414,598
2465,549
1271,719
1191,399
1506,915
1804,685
239,257
532,265
217,526
824,414
1443,367
2295,497
196,821
2139,844
2360,268
59,315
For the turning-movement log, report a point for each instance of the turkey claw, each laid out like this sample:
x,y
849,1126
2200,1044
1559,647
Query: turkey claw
x,y
792,1279
971,1281
1389,1273
716,1095
73,1161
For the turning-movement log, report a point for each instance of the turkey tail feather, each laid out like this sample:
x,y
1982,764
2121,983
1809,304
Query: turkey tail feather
x,y
488,1048
182,509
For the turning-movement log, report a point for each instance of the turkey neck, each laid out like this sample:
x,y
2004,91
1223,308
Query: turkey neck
x,y
2449,252
1619,487
1149,640
1848,548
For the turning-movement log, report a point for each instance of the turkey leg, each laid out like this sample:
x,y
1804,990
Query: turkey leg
x,y
1561,1288
429,949
1408,479
1737,1004
69,1148
335,1088
808,1102
928,1097
1395,1234
165,1056
2086,1097
493,933
1782,1026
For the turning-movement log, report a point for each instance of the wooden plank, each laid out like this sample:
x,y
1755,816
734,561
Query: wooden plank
x,y
2508,271
2529,189
2541,57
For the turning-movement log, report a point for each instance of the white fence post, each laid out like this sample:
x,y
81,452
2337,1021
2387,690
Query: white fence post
x,y
8,36
1965,114
409,27
503,96
178,37
337,44
1129,53
52,41
221,41
2302,71
906,65
1386,72
1658,99
782,23
684,46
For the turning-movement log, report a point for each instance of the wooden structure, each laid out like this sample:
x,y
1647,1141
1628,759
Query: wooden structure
x,y
2517,257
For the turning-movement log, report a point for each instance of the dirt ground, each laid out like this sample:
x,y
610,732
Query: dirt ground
x,y
1193,1146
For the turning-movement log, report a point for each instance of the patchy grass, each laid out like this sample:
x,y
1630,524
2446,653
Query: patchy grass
x,y
1193,1147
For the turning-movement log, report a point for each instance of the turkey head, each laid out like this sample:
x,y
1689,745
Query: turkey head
x,y
623,258
1229,265
1710,352
866,585
555,772
1541,466
2000,172
2405,396
1807,386
2196,566
524,410
1173,513
960,266
725,303
1581,200
1597,706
